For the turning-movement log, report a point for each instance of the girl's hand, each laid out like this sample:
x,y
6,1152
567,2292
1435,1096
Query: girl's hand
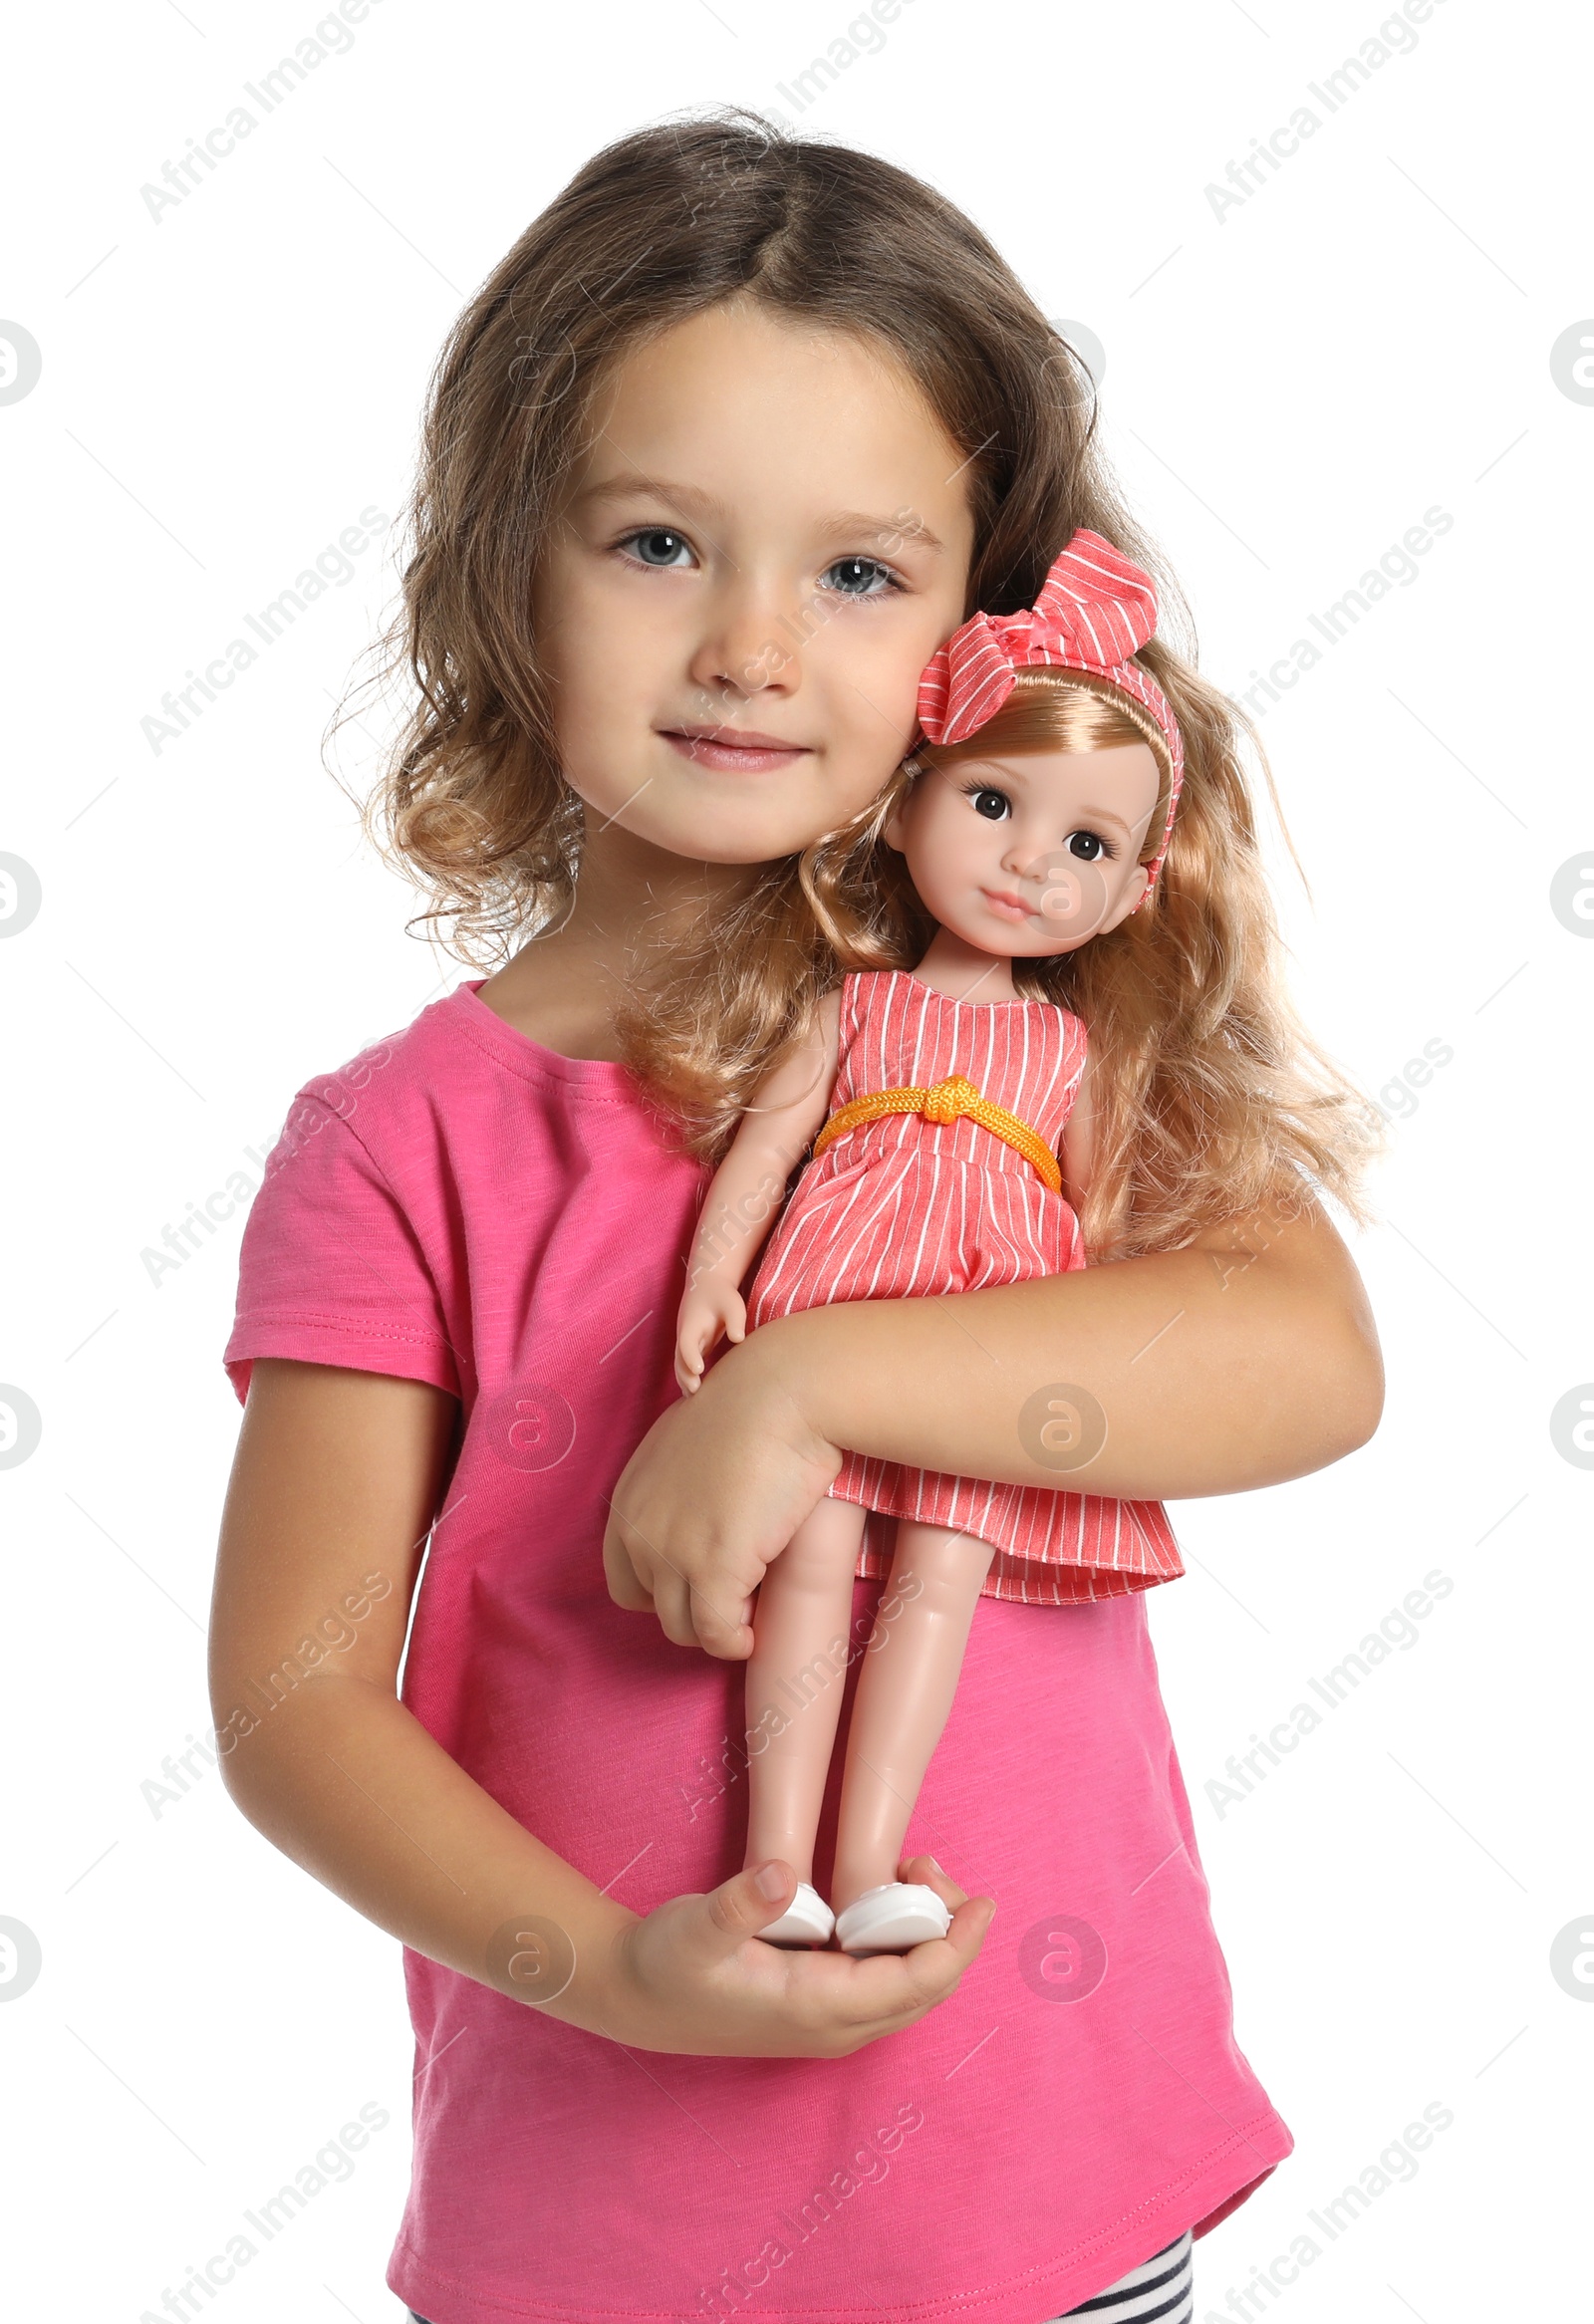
x,y
692,1978
709,1499
711,1307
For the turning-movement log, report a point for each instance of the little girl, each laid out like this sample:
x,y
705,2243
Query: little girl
x,y
731,443
1038,823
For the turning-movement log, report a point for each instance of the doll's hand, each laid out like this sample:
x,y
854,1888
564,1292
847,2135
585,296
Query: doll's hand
x,y
692,1980
709,1499
710,1307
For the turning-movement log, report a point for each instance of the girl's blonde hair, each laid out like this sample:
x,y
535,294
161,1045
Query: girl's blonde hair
x,y
1209,1098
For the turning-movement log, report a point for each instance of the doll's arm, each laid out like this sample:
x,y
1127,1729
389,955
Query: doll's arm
x,y
1077,1152
745,1193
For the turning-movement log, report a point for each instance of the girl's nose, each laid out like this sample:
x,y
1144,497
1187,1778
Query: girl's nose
x,y
749,646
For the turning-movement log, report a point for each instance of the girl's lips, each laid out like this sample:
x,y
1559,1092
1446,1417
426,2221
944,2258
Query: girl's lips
x,y
734,750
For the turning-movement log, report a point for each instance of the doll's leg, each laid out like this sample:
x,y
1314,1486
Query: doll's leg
x,y
795,1677
905,1693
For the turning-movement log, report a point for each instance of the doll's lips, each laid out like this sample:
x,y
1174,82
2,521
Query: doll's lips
x,y
1005,905
736,750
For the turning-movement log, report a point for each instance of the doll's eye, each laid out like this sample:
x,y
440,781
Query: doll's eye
x,y
1089,845
657,545
859,577
992,805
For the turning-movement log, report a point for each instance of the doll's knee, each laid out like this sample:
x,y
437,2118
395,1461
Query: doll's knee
x,y
820,1555
937,1560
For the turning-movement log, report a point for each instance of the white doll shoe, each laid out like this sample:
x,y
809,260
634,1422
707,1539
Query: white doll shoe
x,y
890,1918
807,1919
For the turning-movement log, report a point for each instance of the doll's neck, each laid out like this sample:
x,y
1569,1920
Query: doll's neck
x,y
964,972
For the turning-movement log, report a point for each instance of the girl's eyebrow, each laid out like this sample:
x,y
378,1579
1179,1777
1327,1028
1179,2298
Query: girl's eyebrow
x,y
637,487
905,527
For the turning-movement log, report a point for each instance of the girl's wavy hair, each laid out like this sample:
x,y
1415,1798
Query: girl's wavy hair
x,y
1209,1098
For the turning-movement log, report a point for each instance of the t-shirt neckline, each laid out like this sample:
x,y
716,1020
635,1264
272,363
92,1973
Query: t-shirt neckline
x,y
523,1055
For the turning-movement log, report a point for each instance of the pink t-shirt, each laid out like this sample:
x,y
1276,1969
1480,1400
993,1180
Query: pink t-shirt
x,y
463,1207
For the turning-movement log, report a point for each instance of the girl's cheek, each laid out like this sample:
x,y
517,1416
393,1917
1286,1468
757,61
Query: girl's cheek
x,y
893,666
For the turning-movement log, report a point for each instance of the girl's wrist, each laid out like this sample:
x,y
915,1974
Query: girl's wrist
x,y
787,1365
597,1996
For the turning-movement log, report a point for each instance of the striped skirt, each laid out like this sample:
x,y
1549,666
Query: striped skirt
x,y
887,1217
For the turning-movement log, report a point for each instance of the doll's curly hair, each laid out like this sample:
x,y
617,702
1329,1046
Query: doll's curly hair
x,y
1208,1097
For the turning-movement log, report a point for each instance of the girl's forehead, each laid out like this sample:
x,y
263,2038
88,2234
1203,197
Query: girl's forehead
x,y
745,405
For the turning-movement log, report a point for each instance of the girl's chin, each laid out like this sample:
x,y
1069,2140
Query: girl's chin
x,y
648,816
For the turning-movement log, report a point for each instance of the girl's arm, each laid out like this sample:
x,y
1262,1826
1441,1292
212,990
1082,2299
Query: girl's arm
x,y
746,1189
333,1494
1246,1358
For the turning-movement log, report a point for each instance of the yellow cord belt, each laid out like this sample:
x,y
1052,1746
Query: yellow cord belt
x,y
947,1101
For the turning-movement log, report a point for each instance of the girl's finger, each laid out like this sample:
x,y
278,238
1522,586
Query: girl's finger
x,y
927,1872
970,1922
626,1587
740,1907
891,1989
933,1970
722,1629
672,1605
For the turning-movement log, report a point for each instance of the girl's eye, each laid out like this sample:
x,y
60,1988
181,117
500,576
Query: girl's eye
x,y
859,577
991,804
1088,846
657,545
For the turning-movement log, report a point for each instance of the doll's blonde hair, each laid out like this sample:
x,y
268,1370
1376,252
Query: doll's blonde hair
x,y
1209,1097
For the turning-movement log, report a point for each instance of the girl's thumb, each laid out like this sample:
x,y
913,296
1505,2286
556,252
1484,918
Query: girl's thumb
x,y
754,1898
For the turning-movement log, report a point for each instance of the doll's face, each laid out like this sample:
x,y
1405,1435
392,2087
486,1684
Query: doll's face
x,y
1031,856
764,544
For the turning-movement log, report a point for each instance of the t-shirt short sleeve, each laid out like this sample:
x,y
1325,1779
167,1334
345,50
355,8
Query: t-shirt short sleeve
x,y
332,1270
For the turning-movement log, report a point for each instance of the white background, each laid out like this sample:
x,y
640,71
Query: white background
x,y
1288,388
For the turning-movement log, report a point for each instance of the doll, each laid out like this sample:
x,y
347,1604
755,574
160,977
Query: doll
x,y
938,1170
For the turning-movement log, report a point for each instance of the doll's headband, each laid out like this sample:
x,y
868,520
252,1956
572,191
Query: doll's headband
x,y
1094,610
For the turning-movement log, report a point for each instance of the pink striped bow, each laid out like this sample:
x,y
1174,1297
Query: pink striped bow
x,y
1096,609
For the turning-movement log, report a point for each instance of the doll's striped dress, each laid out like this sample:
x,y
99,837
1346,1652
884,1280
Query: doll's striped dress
x,y
906,1208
